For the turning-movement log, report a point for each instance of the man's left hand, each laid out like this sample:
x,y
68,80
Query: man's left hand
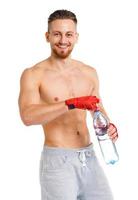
x,y
112,132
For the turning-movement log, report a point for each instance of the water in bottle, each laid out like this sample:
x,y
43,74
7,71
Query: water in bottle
x,y
107,147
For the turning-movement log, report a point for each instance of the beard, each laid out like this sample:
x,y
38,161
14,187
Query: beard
x,y
61,53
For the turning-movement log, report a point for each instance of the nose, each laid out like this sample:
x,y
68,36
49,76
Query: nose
x,y
63,39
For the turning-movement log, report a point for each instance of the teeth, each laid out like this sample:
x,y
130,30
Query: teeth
x,y
63,47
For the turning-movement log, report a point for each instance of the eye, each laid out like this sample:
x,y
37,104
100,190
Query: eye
x,y
56,34
69,35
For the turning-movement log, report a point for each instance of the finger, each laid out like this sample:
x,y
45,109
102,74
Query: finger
x,y
114,140
111,131
114,135
91,108
94,107
94,99
112,125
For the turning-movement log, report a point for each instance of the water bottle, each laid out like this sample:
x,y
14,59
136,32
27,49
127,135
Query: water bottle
x,y
108,148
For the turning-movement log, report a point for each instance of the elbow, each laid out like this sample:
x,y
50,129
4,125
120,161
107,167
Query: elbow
x,y
26,119
27,123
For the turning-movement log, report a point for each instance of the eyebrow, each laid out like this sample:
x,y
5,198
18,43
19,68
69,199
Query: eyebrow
x,y
60,32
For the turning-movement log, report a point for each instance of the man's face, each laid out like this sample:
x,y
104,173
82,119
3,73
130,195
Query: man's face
x,y
62,37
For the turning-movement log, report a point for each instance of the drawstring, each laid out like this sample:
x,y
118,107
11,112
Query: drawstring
x,y
82,156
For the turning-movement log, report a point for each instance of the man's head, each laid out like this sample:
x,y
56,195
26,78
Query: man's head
x,y
62,35
61,14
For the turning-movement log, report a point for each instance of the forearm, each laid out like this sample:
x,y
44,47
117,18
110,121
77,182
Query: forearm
x,y
42,113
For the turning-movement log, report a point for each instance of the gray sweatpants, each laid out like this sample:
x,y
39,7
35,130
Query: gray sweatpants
x,y
72,174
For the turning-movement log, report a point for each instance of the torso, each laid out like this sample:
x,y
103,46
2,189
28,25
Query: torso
x,y
70,129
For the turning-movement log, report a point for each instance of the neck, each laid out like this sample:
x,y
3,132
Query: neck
x,y
60,63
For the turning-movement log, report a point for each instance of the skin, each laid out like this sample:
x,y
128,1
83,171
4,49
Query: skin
x,y
45,87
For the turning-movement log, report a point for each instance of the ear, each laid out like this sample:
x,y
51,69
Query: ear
x,y
77,36
47,36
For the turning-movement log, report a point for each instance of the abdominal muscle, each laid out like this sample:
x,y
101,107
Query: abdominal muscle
x,y
68,131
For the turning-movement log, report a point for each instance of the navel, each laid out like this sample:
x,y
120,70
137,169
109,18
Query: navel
x,y
56,99
78,133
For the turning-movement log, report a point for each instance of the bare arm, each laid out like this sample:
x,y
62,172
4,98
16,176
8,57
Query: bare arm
x,y
32,111
95,92
112,130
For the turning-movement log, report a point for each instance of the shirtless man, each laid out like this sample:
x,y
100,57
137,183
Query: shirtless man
x,y
56,93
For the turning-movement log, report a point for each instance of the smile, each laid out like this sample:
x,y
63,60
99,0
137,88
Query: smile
x,y
62,46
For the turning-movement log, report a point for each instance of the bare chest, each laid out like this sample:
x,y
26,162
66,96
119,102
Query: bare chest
x,y
56,87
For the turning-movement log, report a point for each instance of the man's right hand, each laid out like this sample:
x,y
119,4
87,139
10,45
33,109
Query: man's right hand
x,y
85,102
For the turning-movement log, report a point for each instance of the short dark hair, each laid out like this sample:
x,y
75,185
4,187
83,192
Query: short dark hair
x,y
62,14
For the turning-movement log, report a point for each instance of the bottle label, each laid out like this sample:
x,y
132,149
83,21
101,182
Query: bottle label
x,y
103,137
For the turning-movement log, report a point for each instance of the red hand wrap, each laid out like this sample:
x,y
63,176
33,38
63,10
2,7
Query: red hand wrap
x,y
85,102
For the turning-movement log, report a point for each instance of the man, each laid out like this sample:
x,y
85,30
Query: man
x,y
56,93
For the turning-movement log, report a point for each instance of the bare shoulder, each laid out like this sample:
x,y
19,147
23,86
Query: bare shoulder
x,y
87,69
34,72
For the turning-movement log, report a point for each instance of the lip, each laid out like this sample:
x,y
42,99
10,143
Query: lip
x,y
62,46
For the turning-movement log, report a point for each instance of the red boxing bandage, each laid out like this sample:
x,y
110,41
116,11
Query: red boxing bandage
x,y
85,102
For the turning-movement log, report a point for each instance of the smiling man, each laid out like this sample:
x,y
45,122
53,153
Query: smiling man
x,y
62,40
56,93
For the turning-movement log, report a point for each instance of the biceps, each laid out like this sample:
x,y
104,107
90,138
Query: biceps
x,y
95,92
27,98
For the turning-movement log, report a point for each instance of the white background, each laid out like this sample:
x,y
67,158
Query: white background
x,y
109,42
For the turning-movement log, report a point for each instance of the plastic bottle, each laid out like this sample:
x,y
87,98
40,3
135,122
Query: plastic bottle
x,y
107,147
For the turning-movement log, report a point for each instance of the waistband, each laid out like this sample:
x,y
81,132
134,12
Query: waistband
x,y
66,151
